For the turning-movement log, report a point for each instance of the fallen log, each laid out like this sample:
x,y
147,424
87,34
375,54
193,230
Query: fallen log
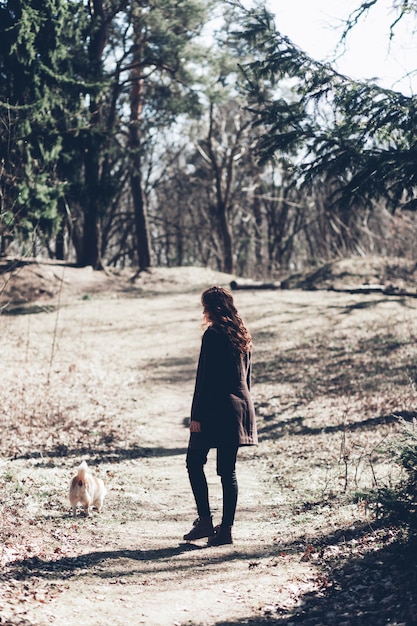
x,y
247,283
360,289
387,290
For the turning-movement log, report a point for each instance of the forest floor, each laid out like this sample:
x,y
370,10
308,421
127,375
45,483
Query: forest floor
x,y
101,367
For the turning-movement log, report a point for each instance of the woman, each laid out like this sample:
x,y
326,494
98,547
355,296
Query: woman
x,y
222,413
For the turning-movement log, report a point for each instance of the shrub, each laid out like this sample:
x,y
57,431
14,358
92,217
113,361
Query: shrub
x,y
398,504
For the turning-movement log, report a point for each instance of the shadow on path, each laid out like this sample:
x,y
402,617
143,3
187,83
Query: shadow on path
x,y
370,580
294,426
97,456
379,589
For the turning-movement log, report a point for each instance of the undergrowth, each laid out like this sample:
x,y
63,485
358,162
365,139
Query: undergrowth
x,y
397,504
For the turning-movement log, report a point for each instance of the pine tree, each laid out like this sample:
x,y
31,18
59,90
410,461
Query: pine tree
x,y
160,87
35,101
354,133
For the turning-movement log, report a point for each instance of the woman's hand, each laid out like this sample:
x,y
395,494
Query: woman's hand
x,y
195,427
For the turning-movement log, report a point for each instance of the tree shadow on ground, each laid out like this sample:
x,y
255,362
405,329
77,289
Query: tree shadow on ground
x,y
32,309
376,589
330,370
349,363
67,567
346,309
171,370
295,426
364,576
96,455
109,564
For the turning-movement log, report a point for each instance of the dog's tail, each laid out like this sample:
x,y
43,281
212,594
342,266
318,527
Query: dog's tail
x,y
80,477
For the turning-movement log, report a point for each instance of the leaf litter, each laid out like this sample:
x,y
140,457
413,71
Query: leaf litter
x,y
107,380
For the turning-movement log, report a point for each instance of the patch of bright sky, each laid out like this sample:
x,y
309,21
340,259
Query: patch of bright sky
x,y
315,26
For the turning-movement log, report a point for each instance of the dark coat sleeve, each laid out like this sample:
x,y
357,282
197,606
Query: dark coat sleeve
x,y
221,401
208,377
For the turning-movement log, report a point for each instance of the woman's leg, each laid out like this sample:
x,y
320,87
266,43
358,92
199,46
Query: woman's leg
x,y
203,525
226,469
196,459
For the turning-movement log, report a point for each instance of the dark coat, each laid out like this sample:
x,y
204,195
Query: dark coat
x,y
222,402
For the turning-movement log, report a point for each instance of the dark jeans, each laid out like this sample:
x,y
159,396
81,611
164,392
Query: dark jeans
x,y
226,469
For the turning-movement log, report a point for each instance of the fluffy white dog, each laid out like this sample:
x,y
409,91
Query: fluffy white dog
x,y
86,490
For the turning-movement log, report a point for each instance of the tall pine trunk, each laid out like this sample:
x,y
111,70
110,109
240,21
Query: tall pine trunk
x,y
226,238
89,253
135,148
90,240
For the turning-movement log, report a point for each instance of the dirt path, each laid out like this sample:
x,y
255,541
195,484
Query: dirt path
x,y
110,380
130,562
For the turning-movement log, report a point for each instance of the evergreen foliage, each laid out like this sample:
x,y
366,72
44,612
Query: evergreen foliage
x,y
67,73
37,105
125,139
356,133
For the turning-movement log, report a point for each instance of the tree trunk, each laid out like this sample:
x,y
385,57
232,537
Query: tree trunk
x,y
227,241
257,212
90,248
141,221
60,243
136,104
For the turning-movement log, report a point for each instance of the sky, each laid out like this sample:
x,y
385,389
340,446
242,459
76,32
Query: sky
x,y
315,26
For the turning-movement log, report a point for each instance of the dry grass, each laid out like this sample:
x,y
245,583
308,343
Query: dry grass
x,y
104,370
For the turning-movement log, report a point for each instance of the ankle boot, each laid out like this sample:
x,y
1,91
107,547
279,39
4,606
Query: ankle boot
x,y
222,535
202,527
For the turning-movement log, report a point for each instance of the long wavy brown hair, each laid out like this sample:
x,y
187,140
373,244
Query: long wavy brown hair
x,y
220,311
